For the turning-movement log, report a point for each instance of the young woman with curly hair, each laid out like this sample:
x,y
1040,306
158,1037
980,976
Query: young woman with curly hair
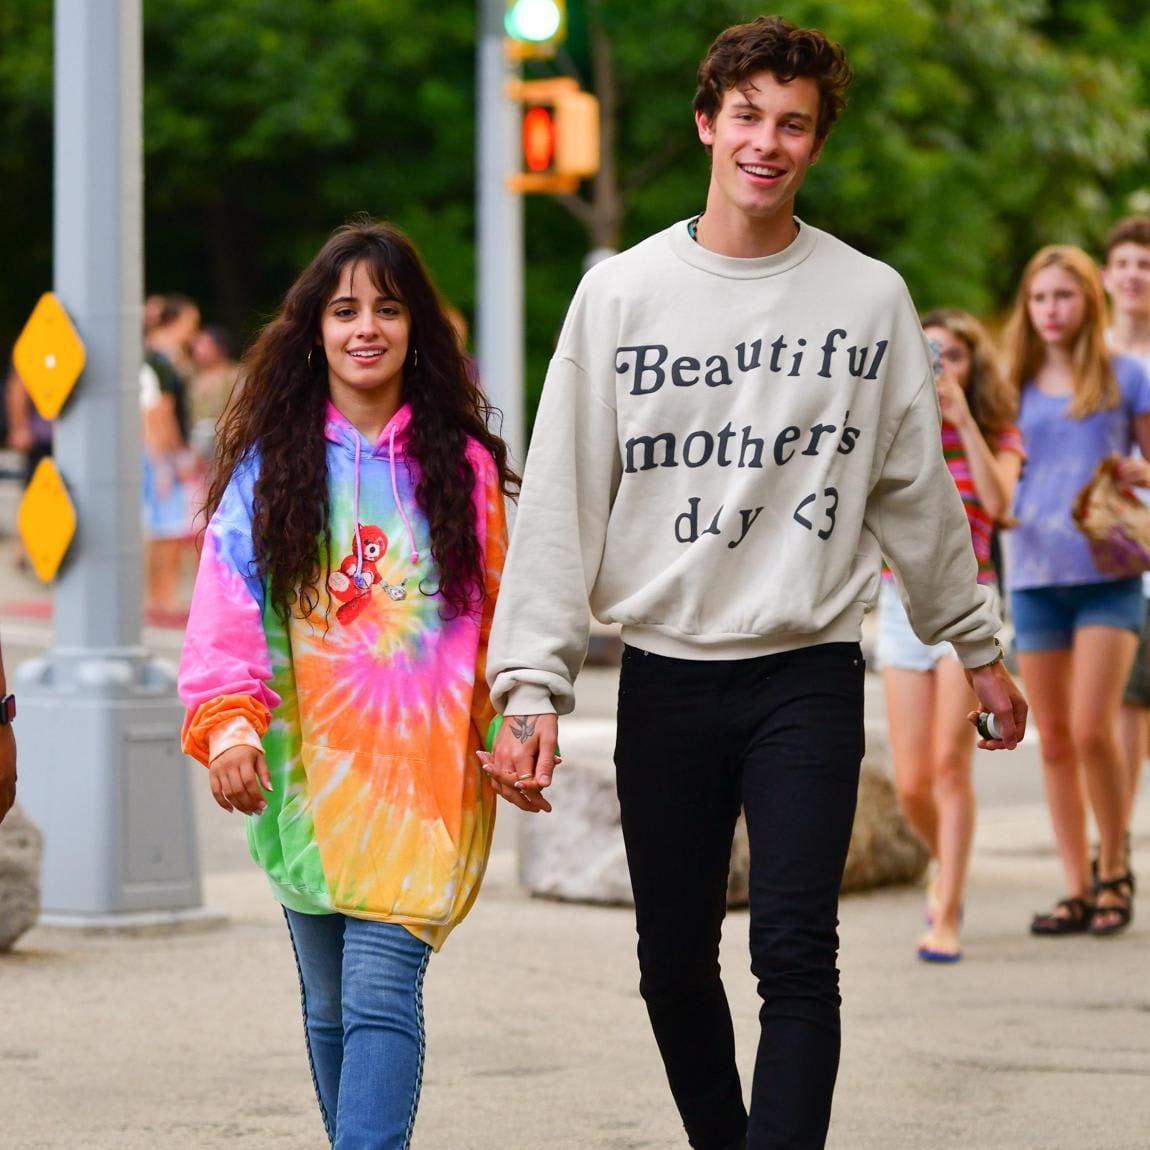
x,y
333,667
1076,627
927,696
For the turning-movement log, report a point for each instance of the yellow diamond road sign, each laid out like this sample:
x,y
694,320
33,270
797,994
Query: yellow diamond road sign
x,y
46,520
48,356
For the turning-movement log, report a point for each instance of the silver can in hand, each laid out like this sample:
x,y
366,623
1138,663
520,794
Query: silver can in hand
x,y
987,724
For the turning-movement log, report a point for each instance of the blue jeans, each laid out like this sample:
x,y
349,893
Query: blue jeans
x,y
782,737
361,986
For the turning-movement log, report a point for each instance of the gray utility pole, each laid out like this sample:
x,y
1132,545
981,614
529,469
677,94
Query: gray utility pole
x,y
499,279
100,765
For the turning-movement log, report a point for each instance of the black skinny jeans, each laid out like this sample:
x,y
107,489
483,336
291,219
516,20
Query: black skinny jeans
x,y
781,736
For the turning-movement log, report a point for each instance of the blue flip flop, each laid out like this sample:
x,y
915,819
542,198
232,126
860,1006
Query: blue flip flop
x,y
945,956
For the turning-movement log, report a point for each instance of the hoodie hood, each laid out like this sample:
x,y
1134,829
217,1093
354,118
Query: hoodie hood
x,y
338,429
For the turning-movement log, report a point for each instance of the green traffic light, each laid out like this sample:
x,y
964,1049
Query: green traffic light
x,y
535,21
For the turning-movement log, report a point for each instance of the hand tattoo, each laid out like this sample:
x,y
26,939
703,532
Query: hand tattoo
x,y
523,727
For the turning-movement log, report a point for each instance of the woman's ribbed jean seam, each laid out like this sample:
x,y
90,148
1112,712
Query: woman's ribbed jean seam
x,y
422,1050
327,1124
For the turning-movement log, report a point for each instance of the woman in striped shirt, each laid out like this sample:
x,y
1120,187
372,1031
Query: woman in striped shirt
x,y
927,695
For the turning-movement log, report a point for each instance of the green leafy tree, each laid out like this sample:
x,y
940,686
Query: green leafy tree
x,y
25,160
976,130
1112,30
269,122
266,124
972,134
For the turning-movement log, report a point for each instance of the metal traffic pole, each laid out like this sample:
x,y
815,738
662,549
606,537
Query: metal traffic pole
x,y
101,770
499,276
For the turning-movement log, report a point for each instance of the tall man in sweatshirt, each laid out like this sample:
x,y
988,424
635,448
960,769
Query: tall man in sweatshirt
x,y
739,420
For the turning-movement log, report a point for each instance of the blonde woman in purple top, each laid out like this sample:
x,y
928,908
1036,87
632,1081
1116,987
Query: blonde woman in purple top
x,y
1076,627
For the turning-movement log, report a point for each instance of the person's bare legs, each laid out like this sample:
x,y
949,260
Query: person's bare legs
x,y
953,761
1046,676
909,708
1102,660
164,557
912,699
1134,738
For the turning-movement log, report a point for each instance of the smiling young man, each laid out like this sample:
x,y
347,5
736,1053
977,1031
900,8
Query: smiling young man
x,y
739,421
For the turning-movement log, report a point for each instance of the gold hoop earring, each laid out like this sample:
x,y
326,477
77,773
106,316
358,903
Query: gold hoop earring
x,y
309,351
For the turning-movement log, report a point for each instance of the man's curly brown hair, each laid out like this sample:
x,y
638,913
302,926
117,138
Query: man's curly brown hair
x,y
279,417
772,44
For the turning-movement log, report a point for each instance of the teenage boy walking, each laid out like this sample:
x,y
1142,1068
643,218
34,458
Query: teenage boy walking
x,y
739,419
1126,274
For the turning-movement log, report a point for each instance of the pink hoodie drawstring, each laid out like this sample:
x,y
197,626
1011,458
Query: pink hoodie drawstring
x,y
358,537
395,493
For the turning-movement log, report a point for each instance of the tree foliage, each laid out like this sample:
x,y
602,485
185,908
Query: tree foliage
x,y
972,133
269,122
25,160
976,130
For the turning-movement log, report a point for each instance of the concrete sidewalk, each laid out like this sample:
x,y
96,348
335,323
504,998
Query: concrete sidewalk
x,y
191,1040
538,1039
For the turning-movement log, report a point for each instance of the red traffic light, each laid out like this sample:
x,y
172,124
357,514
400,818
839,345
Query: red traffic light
x,y
538,139
559,140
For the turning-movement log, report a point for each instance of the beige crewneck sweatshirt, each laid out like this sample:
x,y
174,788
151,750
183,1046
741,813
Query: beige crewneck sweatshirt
x,y
723,451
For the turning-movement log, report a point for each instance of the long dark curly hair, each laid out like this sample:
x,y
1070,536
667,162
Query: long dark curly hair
x,y
280,411
992,403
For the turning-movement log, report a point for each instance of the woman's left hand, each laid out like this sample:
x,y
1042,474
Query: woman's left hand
x,y
526,800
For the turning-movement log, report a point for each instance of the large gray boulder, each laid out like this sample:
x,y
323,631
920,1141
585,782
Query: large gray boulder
x,y
884,851
577,853
21,849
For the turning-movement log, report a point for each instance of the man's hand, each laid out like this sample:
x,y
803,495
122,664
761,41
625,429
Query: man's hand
x,y
7,769
237,775
999,694
523,759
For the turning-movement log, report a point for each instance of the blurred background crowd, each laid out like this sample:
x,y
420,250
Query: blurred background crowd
x,y
188,376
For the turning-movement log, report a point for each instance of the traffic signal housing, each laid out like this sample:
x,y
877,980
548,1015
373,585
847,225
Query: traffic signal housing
x,y
560,135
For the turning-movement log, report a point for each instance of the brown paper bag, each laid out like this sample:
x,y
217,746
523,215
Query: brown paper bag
x,y
1115,522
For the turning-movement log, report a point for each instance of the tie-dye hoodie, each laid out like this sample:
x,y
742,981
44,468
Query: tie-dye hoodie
x,y
370,710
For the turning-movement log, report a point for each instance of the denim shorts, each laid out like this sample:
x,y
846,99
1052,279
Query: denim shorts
x,y
896,644
167,511
1045,618
1138,685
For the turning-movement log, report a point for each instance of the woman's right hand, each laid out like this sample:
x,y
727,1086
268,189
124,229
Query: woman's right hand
x,y
237,775
952,398
1134,470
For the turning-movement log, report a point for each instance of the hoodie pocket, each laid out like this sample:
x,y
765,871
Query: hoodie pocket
x,y
380,834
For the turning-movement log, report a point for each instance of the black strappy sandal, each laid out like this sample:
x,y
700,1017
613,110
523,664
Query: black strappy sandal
x,y
1118,914
1128,877
1076,920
